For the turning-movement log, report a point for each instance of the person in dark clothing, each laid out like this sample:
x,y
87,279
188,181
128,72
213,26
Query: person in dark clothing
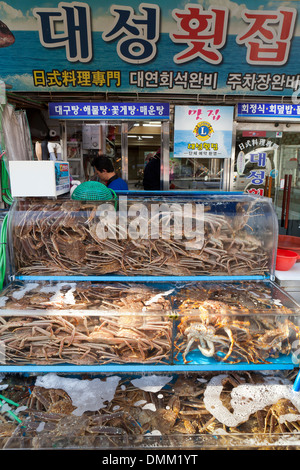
x,y
151,179
105,171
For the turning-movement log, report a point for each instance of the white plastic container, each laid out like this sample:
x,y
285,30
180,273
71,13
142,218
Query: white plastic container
x,y
39,178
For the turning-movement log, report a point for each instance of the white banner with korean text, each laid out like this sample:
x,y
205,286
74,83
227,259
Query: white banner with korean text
x,y
203,131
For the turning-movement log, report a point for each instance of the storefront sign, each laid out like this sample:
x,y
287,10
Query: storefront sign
x,y
256,161
242,47
203,131
268,110
110,111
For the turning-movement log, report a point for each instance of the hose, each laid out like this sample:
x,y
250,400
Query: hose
x,y
5,183
7,198
3,243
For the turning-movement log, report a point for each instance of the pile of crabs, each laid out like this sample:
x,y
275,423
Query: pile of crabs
x,y
70,238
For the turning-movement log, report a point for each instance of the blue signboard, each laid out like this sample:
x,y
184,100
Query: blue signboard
x,y
269,110
153,111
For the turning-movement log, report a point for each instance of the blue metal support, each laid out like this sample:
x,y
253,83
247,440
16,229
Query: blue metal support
x,y
296,386
182,193
141,278
142,368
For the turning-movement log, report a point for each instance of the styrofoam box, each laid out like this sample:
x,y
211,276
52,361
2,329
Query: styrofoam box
x,y
39,178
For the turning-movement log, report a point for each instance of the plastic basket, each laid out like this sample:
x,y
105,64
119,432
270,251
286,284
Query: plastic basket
x,y
93,191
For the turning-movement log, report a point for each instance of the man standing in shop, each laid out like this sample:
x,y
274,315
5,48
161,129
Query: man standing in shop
x,y
105,171
151,179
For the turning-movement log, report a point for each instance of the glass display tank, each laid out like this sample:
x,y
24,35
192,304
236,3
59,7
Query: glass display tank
x,y
163,235
179,326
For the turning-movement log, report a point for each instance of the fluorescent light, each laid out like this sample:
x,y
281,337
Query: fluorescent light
x,y
152,124
130,135
147,136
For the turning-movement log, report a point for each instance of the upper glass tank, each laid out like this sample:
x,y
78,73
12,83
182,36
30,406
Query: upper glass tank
x,y
145,235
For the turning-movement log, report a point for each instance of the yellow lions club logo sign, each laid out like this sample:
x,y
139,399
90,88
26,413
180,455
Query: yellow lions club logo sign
x,y
203,130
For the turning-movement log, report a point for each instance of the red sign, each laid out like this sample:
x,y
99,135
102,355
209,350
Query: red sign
x,y
254,133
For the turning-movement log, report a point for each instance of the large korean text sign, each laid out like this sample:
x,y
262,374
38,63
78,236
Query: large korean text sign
x,y
243,46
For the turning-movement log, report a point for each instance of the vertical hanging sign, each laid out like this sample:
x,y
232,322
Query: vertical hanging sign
x,y
203,131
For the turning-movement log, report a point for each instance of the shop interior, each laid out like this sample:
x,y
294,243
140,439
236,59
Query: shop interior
x,y
130,145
